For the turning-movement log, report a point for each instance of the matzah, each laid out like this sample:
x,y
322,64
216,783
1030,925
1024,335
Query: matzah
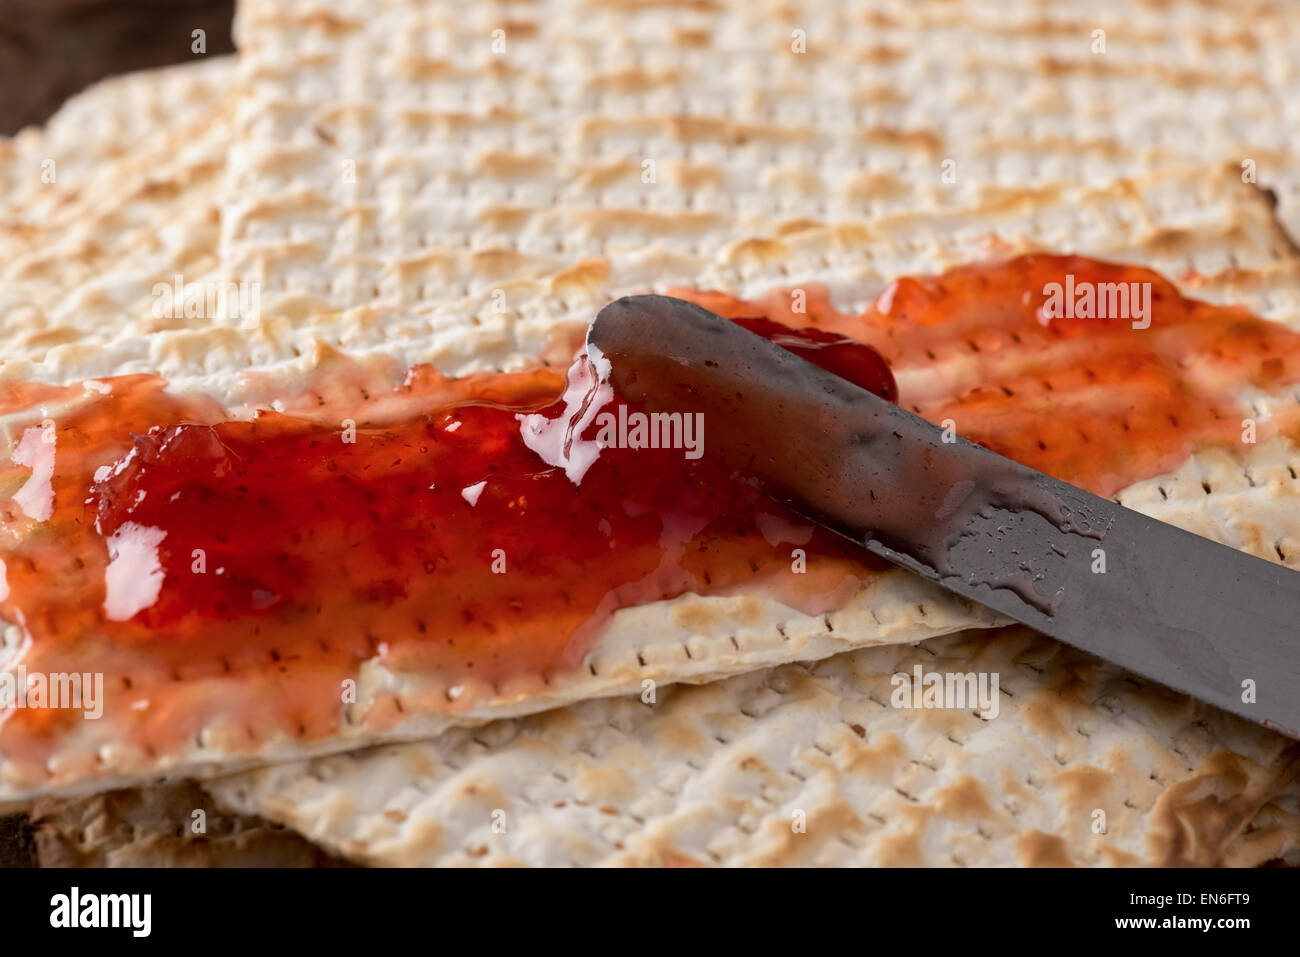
x,y
376,143
1002,150
707,637
811,765
757,281
176,826
81,268
618,782
43,170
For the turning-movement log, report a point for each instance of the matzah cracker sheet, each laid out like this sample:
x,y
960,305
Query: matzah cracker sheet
x,y
44,170
693,638
707,776
1168,215
136,206
906,609
377,141
156,827
99,836
811,764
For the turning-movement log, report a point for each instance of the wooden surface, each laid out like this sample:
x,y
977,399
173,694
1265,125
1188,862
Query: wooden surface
x,y
51,49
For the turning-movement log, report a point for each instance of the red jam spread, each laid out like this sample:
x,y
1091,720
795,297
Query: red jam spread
x,y
147,534
1090,400
207,564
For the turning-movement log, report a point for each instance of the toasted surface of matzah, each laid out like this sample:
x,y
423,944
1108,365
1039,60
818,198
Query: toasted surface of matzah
x,y
1165,215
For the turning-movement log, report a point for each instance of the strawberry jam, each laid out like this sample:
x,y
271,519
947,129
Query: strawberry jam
x,y
228,575
152,537
835,353
1097,401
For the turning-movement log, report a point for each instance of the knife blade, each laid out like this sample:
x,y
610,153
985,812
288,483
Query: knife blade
x,y
1188,612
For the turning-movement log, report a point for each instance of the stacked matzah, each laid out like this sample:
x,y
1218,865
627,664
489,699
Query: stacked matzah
x,y
478,171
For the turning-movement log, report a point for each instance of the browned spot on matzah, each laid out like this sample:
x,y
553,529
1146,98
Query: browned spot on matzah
x,y
588,274
504,263
695,39
791,227
1115,857
876,94
945,721
504,219
753,764
417,763
425,835
503,164
964,799
516,28
903,844
598,176
879,756
794,179
697,617
425,68
882,55
924,140
702,6
782,845
1083,788
695,175
866,186
605,223
1196,818
673,859
632,80
1037,849
311,19
605,783
757,250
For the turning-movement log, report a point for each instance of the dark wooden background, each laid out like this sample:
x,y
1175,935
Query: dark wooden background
x,y
51,49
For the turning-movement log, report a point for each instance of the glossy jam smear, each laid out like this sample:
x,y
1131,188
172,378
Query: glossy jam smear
x,y
153,538
228,574
1092,401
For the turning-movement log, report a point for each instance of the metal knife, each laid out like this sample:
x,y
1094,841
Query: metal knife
x,y
1190,613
